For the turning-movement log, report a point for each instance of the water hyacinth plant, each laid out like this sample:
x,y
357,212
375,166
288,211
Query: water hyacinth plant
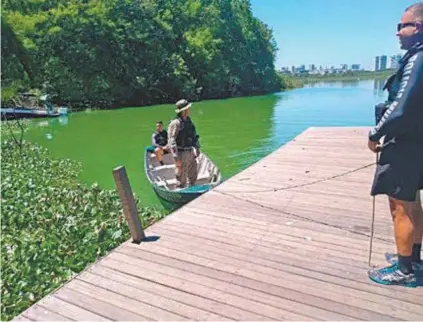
x,y
52,225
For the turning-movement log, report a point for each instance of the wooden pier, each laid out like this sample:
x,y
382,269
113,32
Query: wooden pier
x,y
278,241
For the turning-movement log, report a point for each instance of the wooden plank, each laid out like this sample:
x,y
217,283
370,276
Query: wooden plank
x,y
21,318
246,287
214,289
170,292
251,210
360,290
217,234
69,310
280,199
279,251
137,307
308,266
277,236
311,169
147,297
96,306
247,312
289,228
278,202
283,184
333,219
266,252
199,241
40,313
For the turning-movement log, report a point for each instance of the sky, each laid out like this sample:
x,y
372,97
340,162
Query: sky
x,y
332,32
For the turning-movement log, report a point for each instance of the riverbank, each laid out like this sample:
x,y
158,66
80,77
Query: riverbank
x,y
52,225
300,80
283,83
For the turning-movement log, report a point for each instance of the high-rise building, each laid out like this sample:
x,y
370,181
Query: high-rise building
x,y
383,62
355,67
395,61
344,66
377,63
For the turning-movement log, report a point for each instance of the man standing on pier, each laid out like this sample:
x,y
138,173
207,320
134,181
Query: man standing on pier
x,y
399,173
184,145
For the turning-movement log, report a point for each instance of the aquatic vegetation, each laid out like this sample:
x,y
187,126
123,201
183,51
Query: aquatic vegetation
x,y
52,225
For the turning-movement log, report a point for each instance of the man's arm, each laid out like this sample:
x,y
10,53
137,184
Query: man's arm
x,y
166,135
153,141
197,144
173,131
409,100
197,137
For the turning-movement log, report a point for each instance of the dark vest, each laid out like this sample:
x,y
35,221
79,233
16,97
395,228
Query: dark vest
x,y
161,138
393,83
187,136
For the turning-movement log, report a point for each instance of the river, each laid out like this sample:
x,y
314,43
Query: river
x,y
234,133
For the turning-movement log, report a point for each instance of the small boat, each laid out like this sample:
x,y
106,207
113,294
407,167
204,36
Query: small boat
x,y
163,180
24,112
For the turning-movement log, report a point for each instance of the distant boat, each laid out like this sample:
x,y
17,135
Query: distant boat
x,y
29,107
163,180
23,112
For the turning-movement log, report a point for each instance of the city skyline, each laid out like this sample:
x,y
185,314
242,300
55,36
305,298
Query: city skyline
x,y
391,62
332,32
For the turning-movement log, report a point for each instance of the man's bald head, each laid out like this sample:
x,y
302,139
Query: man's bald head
x,y
410,30
416,11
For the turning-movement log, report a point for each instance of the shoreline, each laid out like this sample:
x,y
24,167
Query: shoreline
x,y
360,76
74,110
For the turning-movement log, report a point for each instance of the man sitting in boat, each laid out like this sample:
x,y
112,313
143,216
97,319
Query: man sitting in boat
x,y
159,142
184,145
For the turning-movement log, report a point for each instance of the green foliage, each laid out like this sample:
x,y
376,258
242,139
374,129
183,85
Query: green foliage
x,y
11,127
52,226
15,64
348,76
125,52
289,81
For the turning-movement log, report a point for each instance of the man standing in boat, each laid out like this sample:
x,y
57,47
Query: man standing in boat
x,y
399,172
184,145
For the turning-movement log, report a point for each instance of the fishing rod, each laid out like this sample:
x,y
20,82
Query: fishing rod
x,y
380,109
373,221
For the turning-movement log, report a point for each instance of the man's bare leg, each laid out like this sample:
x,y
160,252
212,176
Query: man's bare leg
x,y
403,231
401,271
417,217
159,155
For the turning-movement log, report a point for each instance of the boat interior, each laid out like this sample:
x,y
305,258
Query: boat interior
x,y
164,175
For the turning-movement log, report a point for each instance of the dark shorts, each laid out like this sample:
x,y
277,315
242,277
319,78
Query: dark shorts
x,y
399,173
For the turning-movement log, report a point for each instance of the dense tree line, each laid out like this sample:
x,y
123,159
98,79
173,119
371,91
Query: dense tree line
x,y
108,53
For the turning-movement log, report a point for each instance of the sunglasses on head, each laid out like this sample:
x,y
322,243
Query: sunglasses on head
x,y
408,24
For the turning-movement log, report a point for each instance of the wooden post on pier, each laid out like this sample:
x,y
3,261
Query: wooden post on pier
x,y
128,204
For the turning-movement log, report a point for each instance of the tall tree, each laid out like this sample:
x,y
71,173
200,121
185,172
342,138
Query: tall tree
x,y
134,52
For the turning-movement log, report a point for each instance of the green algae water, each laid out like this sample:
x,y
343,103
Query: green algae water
x,y
234,133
